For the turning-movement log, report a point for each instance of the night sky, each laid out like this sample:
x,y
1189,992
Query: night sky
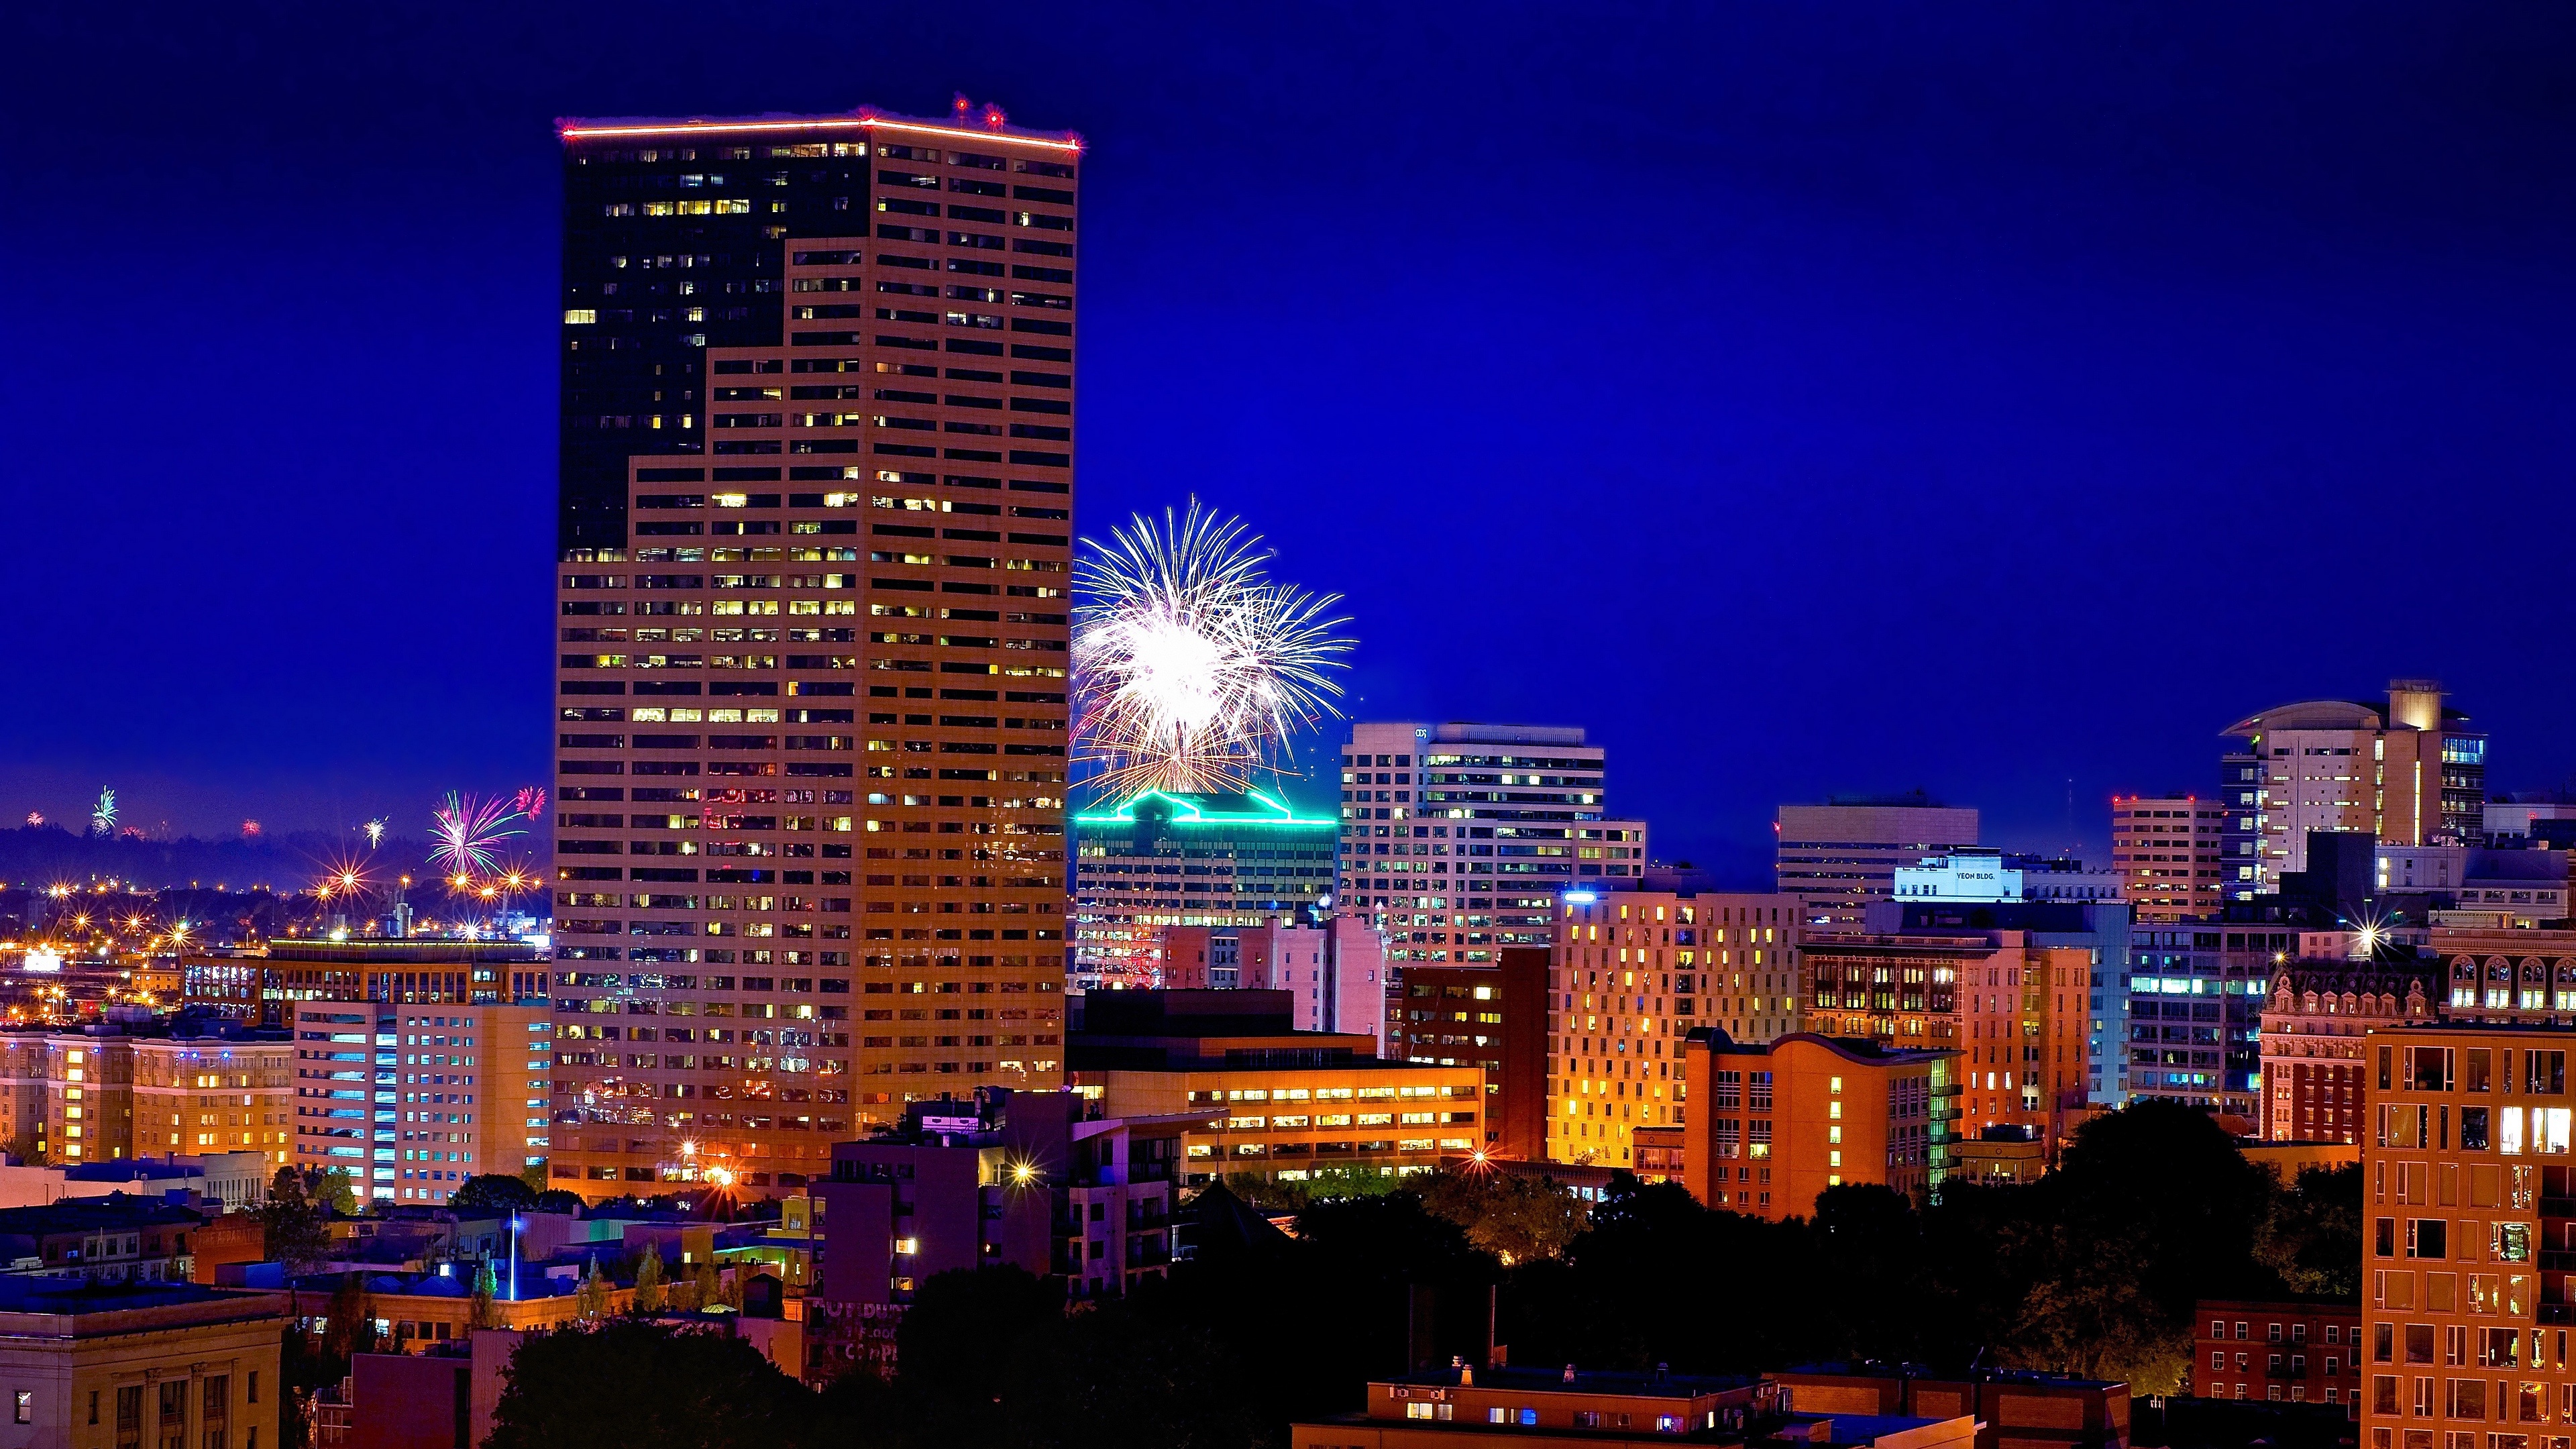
x,y
1994,399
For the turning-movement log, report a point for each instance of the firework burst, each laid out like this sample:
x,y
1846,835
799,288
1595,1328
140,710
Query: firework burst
x,y
469,830
531,801
1192,669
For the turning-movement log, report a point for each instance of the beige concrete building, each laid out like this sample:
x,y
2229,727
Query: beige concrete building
x,y
2169,852
2407,771
1839,857
77,1099
121,1367
1274,1102
412,1099
814,626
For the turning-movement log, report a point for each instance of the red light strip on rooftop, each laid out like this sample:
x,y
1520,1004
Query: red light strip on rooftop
x,y
832,123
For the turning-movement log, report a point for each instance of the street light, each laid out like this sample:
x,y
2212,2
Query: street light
x,y
516,1223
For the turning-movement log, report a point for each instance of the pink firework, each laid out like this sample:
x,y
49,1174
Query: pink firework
x,y
468,830
532,800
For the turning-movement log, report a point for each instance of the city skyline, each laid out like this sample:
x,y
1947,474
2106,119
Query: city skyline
x,y
2020,378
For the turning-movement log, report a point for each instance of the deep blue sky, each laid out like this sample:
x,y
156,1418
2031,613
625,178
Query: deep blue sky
x,y
1808,399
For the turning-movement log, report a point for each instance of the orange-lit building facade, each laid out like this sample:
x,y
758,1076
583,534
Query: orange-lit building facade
x,y
1632,972
78,1099
2169,851
2466,1310
1493,1017
2313,1040
1770,1125
2015,1012
813,618
2287,1350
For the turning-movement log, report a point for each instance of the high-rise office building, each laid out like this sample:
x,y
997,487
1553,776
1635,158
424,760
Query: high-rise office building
x,y
1166,859
1839,857
2169,851
1457,837
2406,771
816,498
411,1099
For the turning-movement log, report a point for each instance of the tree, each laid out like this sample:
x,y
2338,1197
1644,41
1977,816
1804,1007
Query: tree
x,y
556,1200
710,1290
338,1191
648,1281
492,1192
2311,1238
534,1175
1514,1217
591,1300
479,1312
630,1383
291,1230
349,1323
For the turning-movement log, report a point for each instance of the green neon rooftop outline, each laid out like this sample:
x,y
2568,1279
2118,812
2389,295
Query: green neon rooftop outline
x,y
1186,811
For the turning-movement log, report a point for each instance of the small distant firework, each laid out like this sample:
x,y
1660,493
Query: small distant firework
x,y
1190,665
532,801
468,830
375,833
35,817
102,816
250,830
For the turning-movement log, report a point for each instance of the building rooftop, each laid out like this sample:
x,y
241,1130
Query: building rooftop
x,y
1535,1379
400,951
73,1215
1248,807
1853,1049
34,1293
966,123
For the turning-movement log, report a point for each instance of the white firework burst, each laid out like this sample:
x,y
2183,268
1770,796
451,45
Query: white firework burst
x,y
1192,669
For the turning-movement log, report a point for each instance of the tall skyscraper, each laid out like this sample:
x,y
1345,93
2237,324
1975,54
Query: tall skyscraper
x,y
1457,837
816,501
2170,852
2407,771
1839,857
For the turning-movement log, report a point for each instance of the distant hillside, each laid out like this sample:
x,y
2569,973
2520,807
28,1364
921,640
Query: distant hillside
x,y
36,856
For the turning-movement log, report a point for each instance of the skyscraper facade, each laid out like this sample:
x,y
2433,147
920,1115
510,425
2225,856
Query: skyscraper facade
x,y
2169,852
2408,771
816,505
1456,837
1839,857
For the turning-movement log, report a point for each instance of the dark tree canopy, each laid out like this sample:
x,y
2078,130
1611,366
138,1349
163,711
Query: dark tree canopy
x,y
492,1192
628,1384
